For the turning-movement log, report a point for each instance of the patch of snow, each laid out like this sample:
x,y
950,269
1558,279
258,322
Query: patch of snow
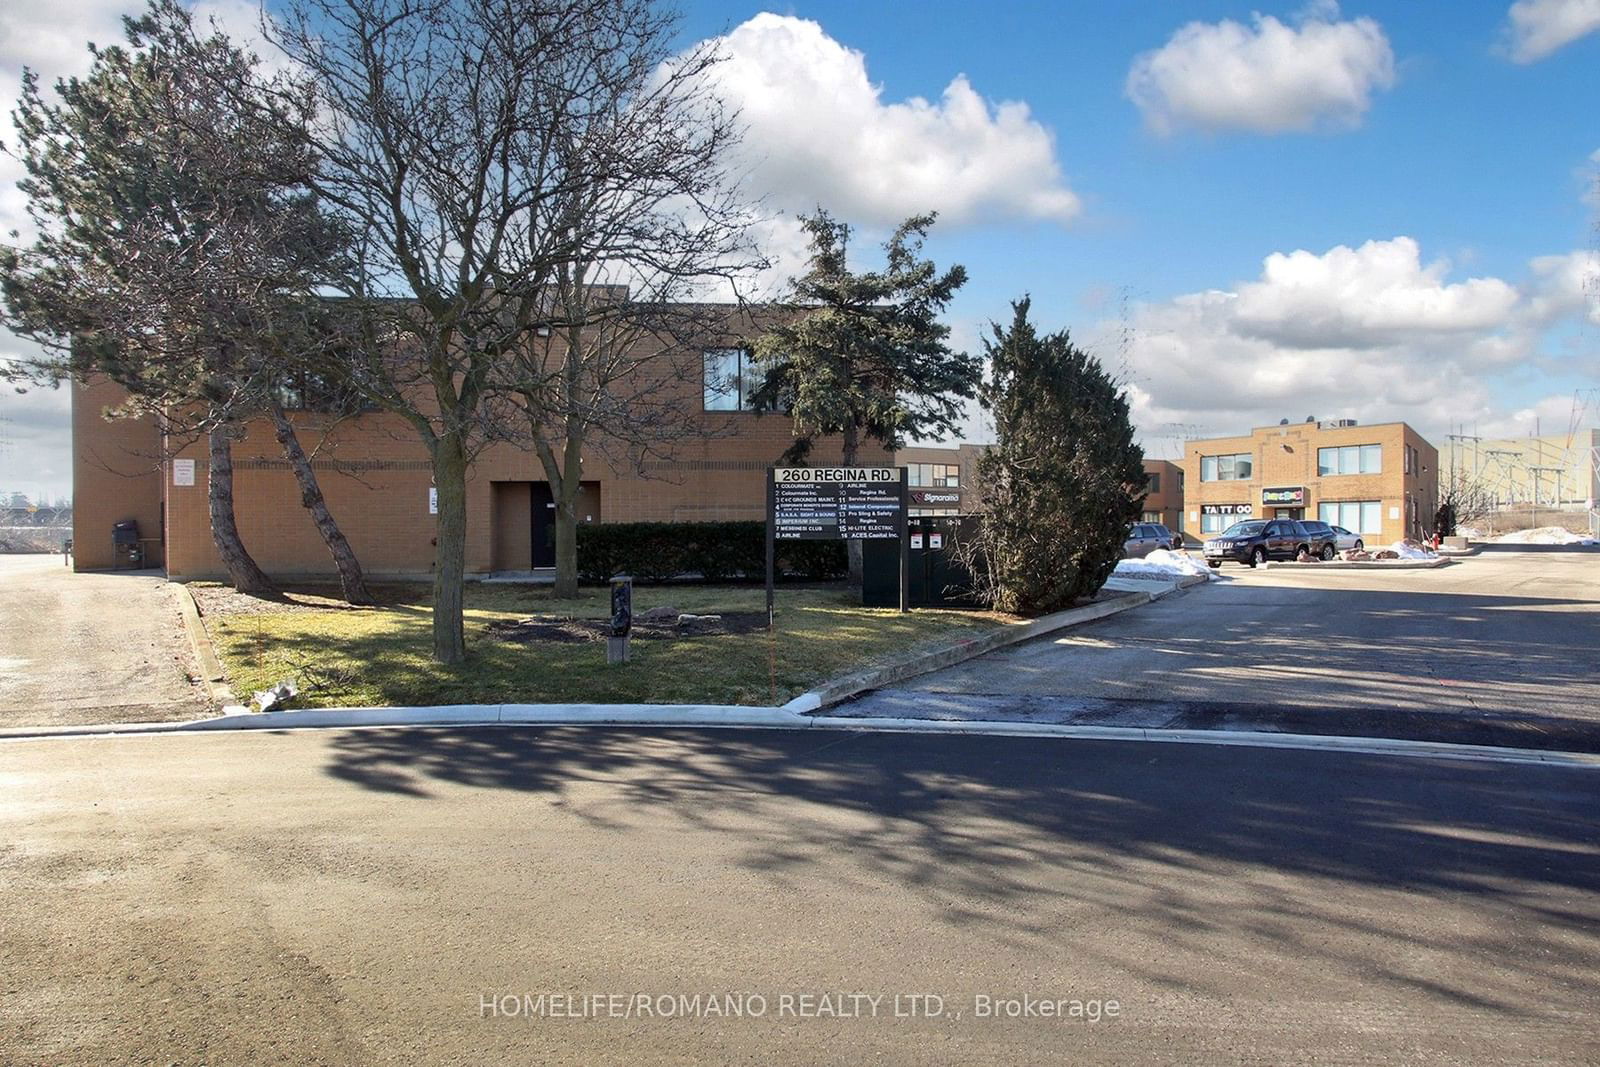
x,y
1163,564
1409,549
1545,535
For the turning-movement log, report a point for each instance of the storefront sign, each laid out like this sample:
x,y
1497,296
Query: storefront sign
x,y
1226,509
183,472
935,498
1294,497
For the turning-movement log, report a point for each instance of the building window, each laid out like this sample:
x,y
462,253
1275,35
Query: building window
x,y
730,379
1152,516
934,475
310,391
1350,459
1155,483
1234,468
1357,516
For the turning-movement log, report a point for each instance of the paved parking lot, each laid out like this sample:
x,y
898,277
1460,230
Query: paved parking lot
x,y
90,648
1506,637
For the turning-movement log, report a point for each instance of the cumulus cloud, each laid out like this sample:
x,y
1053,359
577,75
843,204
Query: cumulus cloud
x,y
1536,28
1372,333
818,131
1272,77
1378,294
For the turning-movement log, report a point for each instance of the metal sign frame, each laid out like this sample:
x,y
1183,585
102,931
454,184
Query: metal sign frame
x,y
902,528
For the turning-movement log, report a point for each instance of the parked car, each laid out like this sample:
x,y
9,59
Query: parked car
x,y
1344,540
1320,533
1254,541
1144,538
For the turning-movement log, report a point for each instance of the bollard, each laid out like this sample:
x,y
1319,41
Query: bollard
x,y
621,619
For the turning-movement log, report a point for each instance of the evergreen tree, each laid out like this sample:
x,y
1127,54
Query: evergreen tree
x,y
178,249
864,355
1064,478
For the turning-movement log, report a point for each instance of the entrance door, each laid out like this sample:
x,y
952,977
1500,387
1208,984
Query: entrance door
x,y
544,525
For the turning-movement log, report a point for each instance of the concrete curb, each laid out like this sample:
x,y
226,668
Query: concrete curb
x,y
445,715
1362,565
205,656
735,717
849,685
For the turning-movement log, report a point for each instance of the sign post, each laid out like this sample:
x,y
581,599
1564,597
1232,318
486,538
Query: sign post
x,y
833,504
621,619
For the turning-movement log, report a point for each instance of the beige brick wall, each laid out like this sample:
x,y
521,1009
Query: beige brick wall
x,y
1166,501
1286,457
116,475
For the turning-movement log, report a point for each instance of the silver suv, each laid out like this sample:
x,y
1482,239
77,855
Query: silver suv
x,y
1144,538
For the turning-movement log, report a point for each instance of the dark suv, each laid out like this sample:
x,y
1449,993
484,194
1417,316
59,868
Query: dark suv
x,y
1254,541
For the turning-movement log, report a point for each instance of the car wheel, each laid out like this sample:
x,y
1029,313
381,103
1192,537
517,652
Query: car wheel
x,y
1359,546
1258,556
1214,564
1327,553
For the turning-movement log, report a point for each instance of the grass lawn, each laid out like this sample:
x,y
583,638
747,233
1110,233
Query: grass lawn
x,y
344,656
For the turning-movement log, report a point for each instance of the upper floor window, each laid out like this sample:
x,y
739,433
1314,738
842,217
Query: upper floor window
x,y
729,379
1350,459
303,390
934,475
1154,483
1235,468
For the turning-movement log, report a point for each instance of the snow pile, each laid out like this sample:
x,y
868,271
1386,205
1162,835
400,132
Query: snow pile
x,y
1409,549
1164,565
1545,535
1471,532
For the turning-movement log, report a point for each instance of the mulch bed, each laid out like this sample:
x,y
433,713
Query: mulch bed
x,y
564,630
216,600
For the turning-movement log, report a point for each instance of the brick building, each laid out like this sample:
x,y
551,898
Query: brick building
x,y
1164,502
376,477
944,481
1380,481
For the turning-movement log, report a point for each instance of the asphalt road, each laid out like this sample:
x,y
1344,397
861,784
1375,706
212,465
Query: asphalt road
x,y
377,896
91,648
1500,648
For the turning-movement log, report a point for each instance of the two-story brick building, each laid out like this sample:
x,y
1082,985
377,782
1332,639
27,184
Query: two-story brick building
x,y
377,478
1380,481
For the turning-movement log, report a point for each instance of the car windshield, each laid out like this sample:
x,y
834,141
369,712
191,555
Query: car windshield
x,y
1244,529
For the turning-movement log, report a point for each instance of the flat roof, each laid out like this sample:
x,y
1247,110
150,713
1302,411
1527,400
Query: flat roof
x,y
1319,425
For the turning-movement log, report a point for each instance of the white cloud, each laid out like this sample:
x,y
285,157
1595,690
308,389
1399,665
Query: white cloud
x,y
1378,294
1565,285
1369,333
818,131
1537,28
1272,78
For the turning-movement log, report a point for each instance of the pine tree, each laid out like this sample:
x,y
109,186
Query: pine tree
x,y
1064,478
864,354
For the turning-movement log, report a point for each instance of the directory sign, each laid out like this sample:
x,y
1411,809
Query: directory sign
x,y
830,503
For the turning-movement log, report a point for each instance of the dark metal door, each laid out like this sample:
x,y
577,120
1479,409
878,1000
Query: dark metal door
x,y
544,525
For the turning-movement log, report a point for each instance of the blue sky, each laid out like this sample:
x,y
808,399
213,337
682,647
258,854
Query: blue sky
x,y
1368,210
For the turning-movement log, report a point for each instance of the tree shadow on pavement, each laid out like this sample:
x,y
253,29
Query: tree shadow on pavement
x,y
1026,839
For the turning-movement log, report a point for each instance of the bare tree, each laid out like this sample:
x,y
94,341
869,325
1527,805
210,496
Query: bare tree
x,y
1467,499
458,137
178,248
623,347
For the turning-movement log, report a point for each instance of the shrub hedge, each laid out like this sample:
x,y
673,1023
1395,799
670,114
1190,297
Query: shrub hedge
x,y
717,551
